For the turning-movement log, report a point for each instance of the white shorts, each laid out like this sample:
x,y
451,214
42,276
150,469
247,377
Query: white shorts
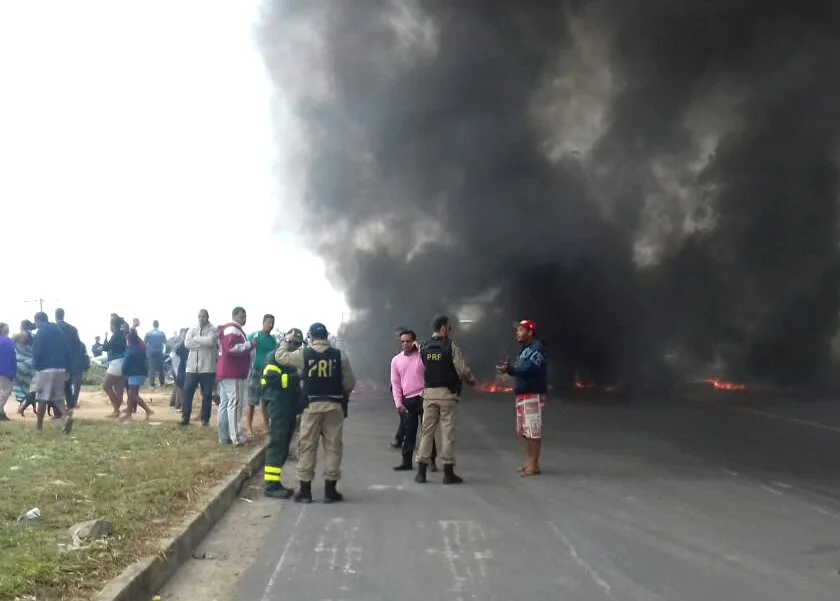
x,y
115,367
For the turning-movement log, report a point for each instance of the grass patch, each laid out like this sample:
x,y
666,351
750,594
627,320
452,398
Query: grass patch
x,y
145,478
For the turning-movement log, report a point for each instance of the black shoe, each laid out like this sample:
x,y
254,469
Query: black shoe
x,y
433,466
331,495
396,444
420,478
405,466
304,493
277,491
449,475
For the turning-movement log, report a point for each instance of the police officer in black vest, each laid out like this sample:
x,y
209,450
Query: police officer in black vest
x,y
445,370
328,381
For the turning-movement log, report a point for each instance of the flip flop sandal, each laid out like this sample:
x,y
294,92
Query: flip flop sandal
x,y
527,473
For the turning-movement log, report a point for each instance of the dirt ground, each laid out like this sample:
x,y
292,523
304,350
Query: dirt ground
x,y
94,404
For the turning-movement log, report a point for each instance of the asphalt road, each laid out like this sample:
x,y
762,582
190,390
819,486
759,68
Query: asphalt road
x,y
715,496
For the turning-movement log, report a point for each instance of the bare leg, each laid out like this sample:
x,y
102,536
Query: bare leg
x,y
249,421
537,447
41,411
110,388
119,391
144,407
532,467
133,394
266,421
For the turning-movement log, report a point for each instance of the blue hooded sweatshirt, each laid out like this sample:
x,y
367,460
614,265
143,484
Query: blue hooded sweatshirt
x,y
530,370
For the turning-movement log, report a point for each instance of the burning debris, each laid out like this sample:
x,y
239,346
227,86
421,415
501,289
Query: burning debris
x,y
628,192
724,385
502,384
584,386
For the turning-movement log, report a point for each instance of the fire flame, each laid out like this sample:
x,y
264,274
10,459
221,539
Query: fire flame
x,y
586,385
493,387
723,385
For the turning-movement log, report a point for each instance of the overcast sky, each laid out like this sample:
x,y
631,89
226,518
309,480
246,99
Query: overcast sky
x,y
138,169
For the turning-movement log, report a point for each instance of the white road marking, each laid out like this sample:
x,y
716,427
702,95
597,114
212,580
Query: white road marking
x,y
772,490
280,563
386,487
774,416
730,472
781,484
336,544
826,512
468,567
352,552
590,571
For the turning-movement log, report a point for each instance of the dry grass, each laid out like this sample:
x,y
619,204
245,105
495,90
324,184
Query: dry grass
x,y
143,477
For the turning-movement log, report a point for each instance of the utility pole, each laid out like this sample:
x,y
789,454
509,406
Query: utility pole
x,y
40,302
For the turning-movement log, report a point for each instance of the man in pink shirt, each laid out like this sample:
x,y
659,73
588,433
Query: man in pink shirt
x,y
407,385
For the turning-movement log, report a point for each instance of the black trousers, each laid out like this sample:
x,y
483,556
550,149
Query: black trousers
x,y
191,383
156,368
411,420
400,436
72,387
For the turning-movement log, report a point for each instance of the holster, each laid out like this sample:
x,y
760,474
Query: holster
x,y
345,402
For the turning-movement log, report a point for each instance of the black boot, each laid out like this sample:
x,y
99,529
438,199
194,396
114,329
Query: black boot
x,y
278,491
420,478
405,466
331,495
449,475
304,494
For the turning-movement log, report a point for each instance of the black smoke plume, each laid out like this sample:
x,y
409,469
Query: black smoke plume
x,y
654,183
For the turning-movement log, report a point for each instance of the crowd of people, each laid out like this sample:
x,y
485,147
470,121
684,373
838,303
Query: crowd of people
x,y
42,365
298,386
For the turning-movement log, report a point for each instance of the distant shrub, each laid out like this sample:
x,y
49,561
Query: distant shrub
x,y
95,376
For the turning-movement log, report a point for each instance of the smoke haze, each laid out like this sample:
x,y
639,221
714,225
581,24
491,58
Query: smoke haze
x,y
654,183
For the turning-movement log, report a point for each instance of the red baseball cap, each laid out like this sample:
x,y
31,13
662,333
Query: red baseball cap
x,y
527,324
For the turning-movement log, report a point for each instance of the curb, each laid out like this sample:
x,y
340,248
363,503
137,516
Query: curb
x,y
141,580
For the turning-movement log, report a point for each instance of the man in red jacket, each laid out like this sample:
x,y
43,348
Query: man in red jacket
x,y
232,371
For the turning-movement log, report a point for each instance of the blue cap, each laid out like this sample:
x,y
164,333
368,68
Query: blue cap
x,y
318,331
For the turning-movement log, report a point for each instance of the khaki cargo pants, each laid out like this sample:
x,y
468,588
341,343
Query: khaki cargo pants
x,y
321,419
443,412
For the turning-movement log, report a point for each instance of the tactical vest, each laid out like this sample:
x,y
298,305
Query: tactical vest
x,y
322,377
440,368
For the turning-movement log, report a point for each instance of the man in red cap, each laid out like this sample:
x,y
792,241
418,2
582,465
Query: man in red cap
x,y
529,373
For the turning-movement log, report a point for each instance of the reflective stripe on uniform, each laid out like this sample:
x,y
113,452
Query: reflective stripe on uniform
x,y
284,377
267,369
272,474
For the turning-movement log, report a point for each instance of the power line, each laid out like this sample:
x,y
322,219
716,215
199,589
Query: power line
x,y
40,302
